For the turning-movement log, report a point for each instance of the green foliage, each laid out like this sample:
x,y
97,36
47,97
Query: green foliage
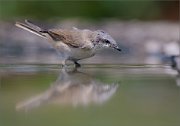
x,y
83,9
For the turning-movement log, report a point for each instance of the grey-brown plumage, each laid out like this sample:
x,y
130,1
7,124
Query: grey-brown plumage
x,y
74,37
73,44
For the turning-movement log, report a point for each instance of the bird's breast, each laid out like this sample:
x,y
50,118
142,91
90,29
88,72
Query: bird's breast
x,y
80,53
72,53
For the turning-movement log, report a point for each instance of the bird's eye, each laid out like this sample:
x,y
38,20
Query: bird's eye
x,y
102,31
107,41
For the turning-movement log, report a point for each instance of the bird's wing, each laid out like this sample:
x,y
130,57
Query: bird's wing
x,y
73,38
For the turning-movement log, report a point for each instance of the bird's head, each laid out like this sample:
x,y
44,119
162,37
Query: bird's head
x,y
104,40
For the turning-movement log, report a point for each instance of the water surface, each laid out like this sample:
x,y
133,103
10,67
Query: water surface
x,y
94,95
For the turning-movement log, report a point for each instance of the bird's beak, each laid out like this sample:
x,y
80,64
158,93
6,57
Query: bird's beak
x,y
116,48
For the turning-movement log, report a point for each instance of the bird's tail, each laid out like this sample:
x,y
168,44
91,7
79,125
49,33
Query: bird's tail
x,y
31,28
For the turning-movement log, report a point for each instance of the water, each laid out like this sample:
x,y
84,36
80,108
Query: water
x,y
101,95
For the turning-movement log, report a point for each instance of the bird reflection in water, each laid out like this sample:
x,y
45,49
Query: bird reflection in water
x,y
72,88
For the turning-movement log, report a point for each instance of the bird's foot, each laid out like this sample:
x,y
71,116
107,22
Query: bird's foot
x,y
77,65
64,65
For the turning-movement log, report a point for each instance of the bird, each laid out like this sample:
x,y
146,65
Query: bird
x,y
175,62
73,44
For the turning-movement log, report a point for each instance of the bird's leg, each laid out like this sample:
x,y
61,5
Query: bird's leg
x,y
64,64
77,64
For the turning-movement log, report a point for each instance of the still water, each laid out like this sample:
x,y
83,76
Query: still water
x,y
103,95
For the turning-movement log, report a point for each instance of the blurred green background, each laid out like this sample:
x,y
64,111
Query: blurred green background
x,y
143,10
